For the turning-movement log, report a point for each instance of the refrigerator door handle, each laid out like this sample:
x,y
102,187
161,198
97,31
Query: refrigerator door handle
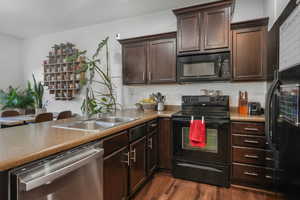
x,y
269,112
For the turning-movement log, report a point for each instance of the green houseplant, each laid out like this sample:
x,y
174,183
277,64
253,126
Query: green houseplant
x,y
38,93
99,94
16,98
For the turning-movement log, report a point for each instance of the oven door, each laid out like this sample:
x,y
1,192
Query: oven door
x,y
217,146
203,68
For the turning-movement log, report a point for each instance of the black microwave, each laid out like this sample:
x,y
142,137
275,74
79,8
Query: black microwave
x,y
209,67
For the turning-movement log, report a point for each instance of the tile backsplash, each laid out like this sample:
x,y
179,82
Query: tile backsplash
x,y
256,91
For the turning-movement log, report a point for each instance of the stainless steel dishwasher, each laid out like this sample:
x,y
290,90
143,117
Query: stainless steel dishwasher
x,y
73,175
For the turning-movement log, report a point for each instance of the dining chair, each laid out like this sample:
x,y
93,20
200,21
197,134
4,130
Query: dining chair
x,y
44,117
64,115
10,113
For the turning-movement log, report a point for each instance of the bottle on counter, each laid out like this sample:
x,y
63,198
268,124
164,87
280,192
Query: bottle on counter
x,y
243,103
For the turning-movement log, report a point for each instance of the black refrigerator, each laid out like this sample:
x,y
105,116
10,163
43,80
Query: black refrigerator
x,y
283,131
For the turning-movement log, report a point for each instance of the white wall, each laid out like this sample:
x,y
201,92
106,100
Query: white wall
x,y
273,9
35,51
11,72
248,9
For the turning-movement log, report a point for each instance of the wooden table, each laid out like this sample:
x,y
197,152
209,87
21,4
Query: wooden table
x,y
20,120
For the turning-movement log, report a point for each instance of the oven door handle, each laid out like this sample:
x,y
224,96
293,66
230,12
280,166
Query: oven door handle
x,y
62,167
207,121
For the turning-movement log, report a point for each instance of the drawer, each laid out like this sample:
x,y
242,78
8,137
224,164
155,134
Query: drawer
x,y
152,126
248,128
249,141
252,175
252,156
137,132
116,142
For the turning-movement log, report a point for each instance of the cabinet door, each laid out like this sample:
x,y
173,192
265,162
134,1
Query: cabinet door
x,y
134,63
249,54
189,32
216,29
137,164
165,143
116,175
162,61
152,153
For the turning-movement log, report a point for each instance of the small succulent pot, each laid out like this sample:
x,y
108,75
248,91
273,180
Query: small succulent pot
x,y
160,106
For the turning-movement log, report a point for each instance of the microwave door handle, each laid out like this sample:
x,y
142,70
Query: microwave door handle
x,y
269,112
83,159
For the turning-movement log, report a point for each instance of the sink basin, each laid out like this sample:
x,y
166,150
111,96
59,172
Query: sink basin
x,y
94,125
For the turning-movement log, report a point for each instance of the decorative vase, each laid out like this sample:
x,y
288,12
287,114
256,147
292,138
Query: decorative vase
x,y
40,110
160,106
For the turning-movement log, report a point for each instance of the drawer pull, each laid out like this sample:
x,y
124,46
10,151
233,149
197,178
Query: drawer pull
x,y
269,159
153,125
251,156
251,129
250,174
133,158
251,141
268,177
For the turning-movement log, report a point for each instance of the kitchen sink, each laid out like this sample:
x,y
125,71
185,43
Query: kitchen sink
x,y
96,124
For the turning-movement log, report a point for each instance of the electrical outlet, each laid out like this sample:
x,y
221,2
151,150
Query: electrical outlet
x,y
118,36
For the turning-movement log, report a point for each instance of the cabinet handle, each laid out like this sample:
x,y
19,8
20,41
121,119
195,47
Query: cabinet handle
x,y
250,174
143,76
149,76
134,155
268,177
251,129
251,141
126,161
153,125
251,156
150,145
269,159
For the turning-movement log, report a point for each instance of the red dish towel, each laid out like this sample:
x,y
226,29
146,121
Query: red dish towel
x,y
197,133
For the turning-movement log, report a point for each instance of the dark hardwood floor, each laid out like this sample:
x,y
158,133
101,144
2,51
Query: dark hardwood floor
x,y
164,187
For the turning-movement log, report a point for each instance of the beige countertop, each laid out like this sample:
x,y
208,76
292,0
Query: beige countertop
x,y
236,116
23,144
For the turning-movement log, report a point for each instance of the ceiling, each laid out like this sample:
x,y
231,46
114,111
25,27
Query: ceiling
x,y
30,18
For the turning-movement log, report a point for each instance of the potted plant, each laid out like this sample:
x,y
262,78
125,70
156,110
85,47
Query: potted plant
x,y
38,93
17,99
99,94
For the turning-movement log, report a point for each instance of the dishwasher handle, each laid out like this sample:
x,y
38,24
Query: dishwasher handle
x,y
83,159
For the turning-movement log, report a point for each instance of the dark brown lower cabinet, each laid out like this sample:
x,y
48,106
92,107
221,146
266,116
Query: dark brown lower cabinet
x,y
137,170
116,175
152,152
165,143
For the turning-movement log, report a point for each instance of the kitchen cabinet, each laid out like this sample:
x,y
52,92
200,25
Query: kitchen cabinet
x,y
149,59
134,63
204,28
249,50
165,143
137,171
162,61
252,162
152,152
4,185
189,32
115,175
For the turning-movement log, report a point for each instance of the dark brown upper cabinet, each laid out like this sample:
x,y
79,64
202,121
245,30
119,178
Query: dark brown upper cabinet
x,y
216,29
204,28
162,61
149,59
134,63
189,32
249,50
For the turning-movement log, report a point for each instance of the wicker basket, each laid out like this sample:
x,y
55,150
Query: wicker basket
x,y
148,107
